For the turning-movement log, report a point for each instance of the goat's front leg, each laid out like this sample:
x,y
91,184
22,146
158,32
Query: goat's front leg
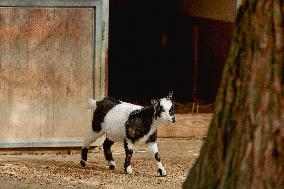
x,y
128,146
155,152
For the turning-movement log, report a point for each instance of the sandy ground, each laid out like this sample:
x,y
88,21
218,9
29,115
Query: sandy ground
x,y
49,170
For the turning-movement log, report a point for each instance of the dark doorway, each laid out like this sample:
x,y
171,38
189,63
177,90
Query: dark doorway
x,y
151,52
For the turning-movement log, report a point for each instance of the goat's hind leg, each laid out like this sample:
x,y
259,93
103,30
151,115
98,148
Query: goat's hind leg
x,y
108,154
92,137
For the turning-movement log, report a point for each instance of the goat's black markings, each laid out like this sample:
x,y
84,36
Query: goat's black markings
x,y
157,156
161,172
152,138
107,151
159,110
84,155
139,123
171,111
103,107
128,153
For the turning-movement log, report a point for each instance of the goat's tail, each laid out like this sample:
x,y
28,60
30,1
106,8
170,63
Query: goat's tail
x,y
93,103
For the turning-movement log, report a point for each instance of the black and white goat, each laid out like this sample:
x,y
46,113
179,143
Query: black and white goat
x,y
130,123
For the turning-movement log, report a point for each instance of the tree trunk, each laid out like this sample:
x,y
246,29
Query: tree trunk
x,y
245,143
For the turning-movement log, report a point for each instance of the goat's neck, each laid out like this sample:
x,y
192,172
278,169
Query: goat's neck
x,y
150,111
157,121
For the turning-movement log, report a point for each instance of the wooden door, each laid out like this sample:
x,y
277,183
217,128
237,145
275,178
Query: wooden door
x,y
46,73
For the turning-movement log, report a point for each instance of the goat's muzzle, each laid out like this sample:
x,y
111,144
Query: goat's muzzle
x,y
173,120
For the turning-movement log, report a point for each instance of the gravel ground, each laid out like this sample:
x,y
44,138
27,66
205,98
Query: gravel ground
x,y
49,170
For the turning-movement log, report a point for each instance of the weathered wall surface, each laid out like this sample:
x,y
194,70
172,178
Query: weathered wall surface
x,y
46,72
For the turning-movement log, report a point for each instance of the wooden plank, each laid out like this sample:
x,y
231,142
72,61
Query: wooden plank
x,y
49,3
42,143
46,77
186,126
225,10
46,150
100,30
104,47
98,51
101,49
76,68
47,114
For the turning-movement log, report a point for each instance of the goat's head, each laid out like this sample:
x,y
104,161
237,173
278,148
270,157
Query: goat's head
x,y
164,108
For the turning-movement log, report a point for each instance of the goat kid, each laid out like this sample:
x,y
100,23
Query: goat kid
x,y
122,121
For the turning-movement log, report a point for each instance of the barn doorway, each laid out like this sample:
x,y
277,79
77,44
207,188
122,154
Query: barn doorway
x,y
153,48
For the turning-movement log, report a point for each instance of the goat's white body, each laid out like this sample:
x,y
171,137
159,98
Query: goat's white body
x,y
114,121
110,118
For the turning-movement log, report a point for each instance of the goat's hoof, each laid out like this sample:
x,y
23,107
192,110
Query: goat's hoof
x,y
128,170
83,163
111,167
162,172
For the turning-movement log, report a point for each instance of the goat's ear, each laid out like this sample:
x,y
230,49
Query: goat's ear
x,y
155,103
170,95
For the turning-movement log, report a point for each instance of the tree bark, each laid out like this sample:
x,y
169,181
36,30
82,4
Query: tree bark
x,y
245,143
